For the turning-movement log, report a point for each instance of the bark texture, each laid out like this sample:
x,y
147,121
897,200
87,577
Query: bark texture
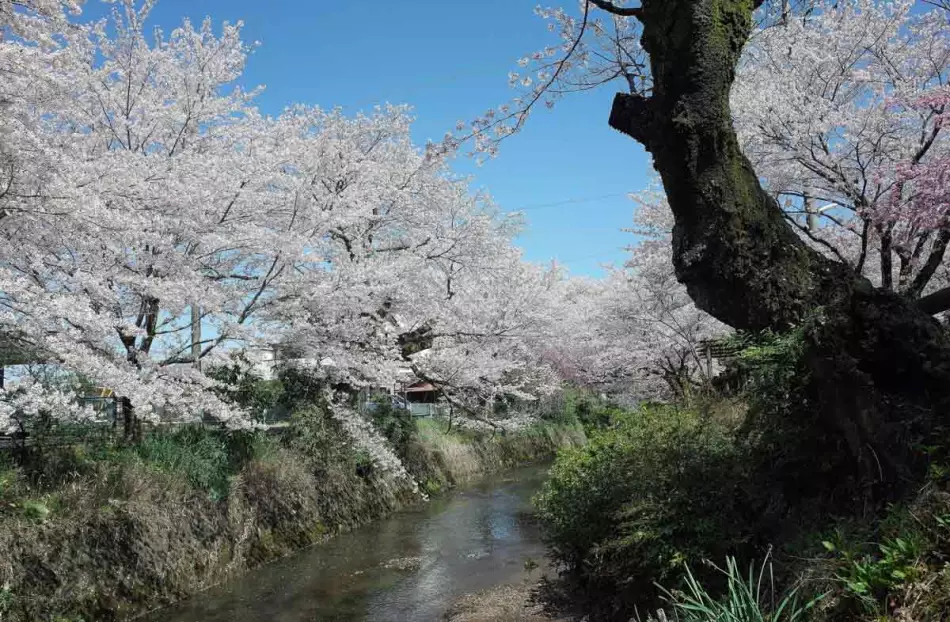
x,y
877,359
732,248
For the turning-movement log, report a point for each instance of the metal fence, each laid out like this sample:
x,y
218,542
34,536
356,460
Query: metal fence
x,y
429,410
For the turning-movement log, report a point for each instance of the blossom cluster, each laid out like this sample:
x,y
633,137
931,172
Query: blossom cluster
x,y
153,221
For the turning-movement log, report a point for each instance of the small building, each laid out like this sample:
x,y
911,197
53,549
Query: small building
x,y
263,361
422,398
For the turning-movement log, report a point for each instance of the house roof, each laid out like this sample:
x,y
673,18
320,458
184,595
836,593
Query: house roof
x,y
419,387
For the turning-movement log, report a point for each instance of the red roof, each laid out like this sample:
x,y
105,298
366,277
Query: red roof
x,y
420,387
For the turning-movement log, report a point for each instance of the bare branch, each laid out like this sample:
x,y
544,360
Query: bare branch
x,y
934,303
814,238
930,267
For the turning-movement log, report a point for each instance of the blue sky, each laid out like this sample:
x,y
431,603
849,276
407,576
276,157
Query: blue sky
x,y
449,59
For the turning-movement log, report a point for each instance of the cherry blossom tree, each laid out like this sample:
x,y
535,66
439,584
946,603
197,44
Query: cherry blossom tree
x,y
410,258
153,220
109,234
733,249
668,326
636,332
828,106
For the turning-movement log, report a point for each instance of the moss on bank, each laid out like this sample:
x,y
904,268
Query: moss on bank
x,y
125,530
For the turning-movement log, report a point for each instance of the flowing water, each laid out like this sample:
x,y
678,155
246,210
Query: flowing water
x,y
408,567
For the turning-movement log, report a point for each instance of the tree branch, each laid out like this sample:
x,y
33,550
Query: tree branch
x,y
632,114
930,267
814,238
936,302
613,9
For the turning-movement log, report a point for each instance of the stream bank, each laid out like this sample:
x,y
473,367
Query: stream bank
x,y
470,554
125,537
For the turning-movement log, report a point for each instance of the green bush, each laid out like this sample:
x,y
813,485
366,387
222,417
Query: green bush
x,y
871,577
595,414
573,405
206,458
264,399
882,564
662,487
301,390
396,424
10,485
7,600
195,452
315,435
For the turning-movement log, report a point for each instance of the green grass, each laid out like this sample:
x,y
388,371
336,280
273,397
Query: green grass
x,y
748,597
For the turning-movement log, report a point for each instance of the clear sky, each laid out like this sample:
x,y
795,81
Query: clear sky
x,y
449,59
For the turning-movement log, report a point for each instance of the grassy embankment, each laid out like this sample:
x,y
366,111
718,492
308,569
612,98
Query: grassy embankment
x,y
105,531
738,508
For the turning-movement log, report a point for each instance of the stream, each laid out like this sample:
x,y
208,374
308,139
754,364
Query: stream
x,y
410,566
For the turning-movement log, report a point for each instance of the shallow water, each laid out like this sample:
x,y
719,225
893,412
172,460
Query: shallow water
x,y
410,566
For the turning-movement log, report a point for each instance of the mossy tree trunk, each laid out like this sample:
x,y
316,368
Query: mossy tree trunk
x,y
876,360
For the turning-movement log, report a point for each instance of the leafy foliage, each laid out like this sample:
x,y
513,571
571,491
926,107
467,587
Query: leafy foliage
x,y
872,577
396,424
206,458
663,486
318,436
238,384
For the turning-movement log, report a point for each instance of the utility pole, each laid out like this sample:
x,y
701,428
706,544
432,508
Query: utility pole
x,y
811,213
196,335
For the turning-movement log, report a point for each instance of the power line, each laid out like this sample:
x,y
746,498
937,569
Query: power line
x,y
528,208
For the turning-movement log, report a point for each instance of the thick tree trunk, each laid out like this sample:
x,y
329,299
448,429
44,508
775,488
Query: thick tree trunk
x,y
732,247
873,354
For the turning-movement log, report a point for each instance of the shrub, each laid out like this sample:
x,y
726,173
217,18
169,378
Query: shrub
x,y
318,437
199,454
10,483
892,565
264,399
301,389
872,577
396,424
35,510
662,487
7,600
206,458
597,414
582,406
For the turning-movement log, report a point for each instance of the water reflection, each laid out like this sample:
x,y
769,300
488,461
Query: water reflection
x,y
408,567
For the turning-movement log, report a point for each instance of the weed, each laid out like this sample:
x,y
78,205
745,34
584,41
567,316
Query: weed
x,y
747,598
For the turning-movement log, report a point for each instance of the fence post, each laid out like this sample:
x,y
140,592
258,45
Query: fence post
x,y
196,336
132,431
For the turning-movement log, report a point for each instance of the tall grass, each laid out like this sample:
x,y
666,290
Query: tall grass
x,y
748,598
455,449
